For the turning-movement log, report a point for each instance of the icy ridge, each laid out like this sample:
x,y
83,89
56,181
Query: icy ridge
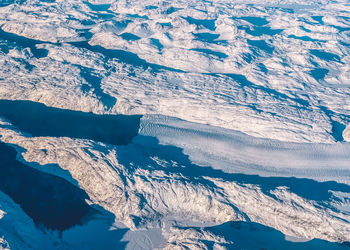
x,y
147,190
277,69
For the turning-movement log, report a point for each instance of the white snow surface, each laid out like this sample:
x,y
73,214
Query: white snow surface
x,y
150,184
235,152
17,230
284,75
246,115
346,133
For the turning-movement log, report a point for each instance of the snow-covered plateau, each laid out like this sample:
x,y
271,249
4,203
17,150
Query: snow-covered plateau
x,y
184,124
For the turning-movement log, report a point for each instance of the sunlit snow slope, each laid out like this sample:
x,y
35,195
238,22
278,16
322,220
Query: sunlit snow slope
x,y
174,124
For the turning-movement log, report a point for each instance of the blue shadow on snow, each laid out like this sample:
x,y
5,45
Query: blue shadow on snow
x,y
250,235
40,120
142,157
54,204
49,200
25,43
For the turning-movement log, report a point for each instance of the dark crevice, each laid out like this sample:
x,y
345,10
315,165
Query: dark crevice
x,y
149,148
123,56
40,120
54,204
251,235
241,79
95,83
49,200
25,43
202,23
337,127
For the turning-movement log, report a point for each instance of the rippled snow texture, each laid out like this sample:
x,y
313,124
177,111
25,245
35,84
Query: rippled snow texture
x,y
278,71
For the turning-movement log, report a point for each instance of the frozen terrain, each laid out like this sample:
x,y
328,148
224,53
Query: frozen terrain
x,y
181,124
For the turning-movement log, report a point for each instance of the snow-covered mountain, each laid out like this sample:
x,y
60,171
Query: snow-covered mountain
x,y
181,124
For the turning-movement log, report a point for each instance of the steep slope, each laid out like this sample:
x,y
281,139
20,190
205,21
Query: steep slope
x,y
148,184
270,69
175,124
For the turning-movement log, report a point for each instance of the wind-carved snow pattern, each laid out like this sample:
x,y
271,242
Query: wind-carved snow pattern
x,y
280,66
261,146
152,184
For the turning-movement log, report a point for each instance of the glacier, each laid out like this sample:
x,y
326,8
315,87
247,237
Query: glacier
x,y
183,124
